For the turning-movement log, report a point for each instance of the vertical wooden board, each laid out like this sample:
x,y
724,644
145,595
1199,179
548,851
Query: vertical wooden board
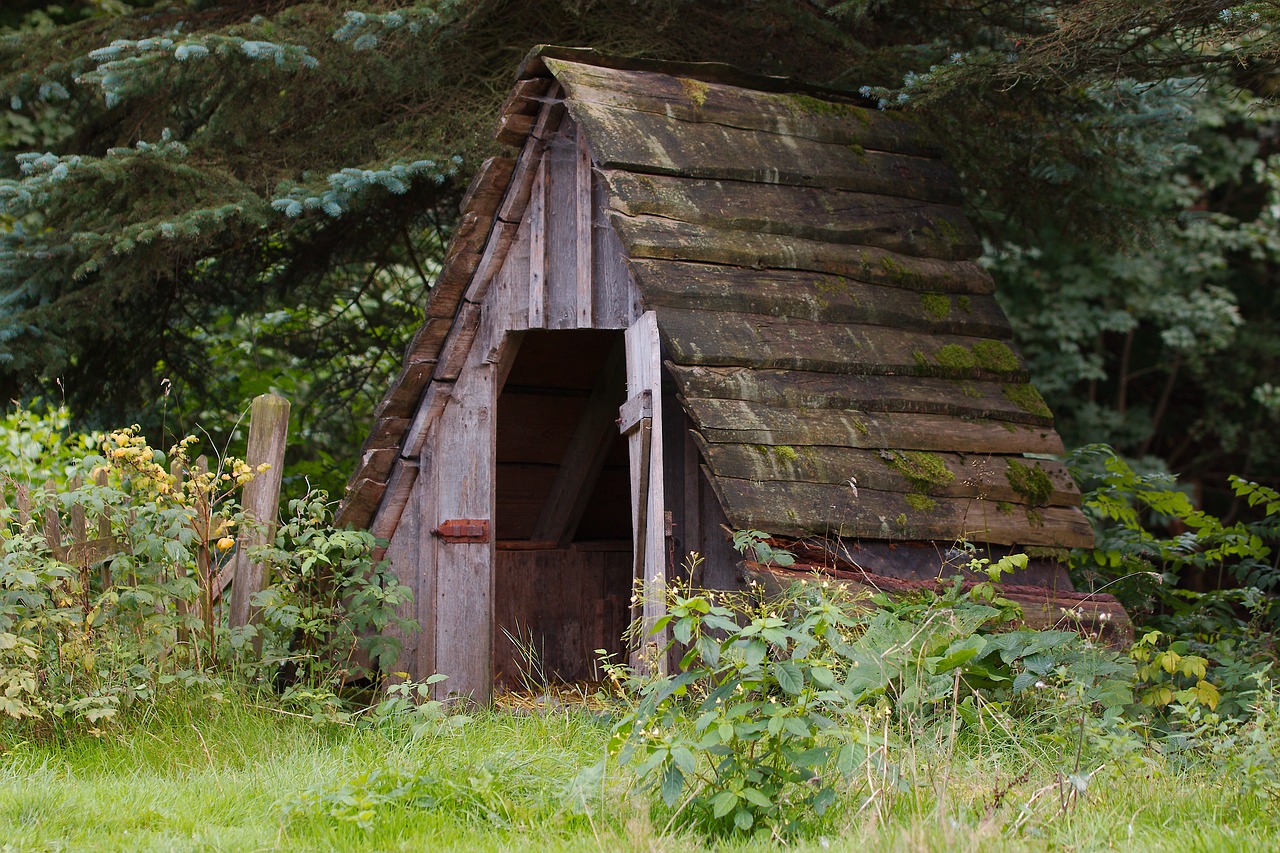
x,y
562,230
689,533
403,553
644,373
510,296
536,216
616,297
584,218
426,504
268,431
463,466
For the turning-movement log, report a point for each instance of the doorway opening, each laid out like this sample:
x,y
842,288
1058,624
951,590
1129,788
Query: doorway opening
x,y
562,514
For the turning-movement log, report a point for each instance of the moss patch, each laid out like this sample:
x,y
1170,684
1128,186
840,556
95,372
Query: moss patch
x,y
921,503
902,520
926,472
1031,483
922,360
936,305
995,355
955,357
962,302
1027,398
1005,507
694,90
817,106
897,273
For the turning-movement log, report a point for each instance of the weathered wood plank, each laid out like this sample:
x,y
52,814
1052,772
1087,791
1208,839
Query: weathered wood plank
x,y
514,128
868,393
517,199
667,239
826,119
429,409
723,338
562,230
406,389
458,345
400,481
734,421
527,96
537,216
617,299
660,145
462,464
947,474
584,217
360,503
377,463
387,432
788,508
644,373
817,297
488,186
906,226
268,432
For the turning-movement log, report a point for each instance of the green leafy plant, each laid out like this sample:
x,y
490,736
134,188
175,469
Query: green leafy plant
x,y
780,705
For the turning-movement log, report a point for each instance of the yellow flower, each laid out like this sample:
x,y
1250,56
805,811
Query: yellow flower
x,y
225,543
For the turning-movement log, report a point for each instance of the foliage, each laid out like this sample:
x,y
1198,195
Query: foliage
x,y
1157,553
87,631
327,611
778,704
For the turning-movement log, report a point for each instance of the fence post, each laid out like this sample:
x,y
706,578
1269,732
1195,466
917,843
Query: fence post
x,y
268,429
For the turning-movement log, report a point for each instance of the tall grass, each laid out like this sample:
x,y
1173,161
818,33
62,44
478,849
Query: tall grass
x,y
224,775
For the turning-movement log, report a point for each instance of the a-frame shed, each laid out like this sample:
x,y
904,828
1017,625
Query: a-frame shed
x,y
695,300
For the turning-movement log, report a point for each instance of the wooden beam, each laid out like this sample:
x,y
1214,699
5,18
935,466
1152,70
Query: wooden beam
x,y
644,373
584,458
268,431
634,410
584,238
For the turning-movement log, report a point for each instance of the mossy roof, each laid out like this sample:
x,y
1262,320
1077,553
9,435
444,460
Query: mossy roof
x,y
834,341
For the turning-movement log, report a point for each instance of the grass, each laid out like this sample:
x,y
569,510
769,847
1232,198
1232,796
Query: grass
x,y
214,777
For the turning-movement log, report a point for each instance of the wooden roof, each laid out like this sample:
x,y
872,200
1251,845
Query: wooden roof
x,y
834,342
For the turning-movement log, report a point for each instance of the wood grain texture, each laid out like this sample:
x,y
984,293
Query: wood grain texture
x,y
727,207
644,373
268,434
830,119
658,237
652,143
790,508
972,476
723,338
734,421
815,297
973,399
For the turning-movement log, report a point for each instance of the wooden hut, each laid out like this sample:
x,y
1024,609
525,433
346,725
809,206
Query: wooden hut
x,y
695,300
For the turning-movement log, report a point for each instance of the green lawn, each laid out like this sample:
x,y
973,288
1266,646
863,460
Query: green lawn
x,y
216,778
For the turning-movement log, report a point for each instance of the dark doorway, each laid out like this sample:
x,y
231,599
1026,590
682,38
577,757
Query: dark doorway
x,y
562,508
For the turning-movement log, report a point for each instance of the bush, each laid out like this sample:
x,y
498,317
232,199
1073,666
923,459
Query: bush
x,y
779,704
89,631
